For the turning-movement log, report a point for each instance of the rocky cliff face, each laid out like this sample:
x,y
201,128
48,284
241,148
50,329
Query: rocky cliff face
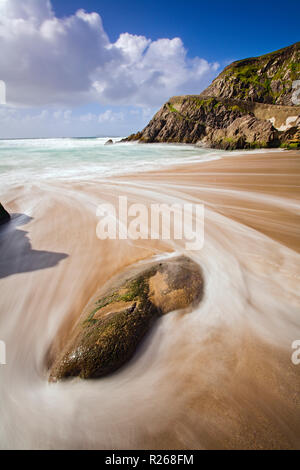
x,y
250,105
265,79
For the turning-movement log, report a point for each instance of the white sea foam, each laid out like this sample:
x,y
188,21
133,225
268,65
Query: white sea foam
x,y
33,160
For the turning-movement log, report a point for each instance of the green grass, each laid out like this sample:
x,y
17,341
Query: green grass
x,y
171,108
295,70
217,105
290,145
258,145
206,103
247,75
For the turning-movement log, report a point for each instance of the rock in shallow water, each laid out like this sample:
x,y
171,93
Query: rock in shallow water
x,y
109,331
4,215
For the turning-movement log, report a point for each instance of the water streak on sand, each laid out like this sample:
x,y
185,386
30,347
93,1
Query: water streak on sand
x,y
218,377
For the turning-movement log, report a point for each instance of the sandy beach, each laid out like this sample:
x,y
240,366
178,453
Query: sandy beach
x,y
247,189
218,377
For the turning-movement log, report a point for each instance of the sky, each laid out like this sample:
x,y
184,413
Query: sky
x,y
88,67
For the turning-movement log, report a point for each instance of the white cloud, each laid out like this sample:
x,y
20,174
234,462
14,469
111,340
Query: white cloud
x,y
36,10
47,60
49,122
88,117
110,116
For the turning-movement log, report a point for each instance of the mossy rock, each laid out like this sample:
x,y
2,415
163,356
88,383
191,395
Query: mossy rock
x,y
112,326
4,215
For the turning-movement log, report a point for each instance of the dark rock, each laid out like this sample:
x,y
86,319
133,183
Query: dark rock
x,y
110,329
245,132
290,138
4,215
109,142
184,119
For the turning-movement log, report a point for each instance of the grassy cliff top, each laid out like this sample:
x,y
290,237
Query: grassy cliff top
x,y
284,53
265,79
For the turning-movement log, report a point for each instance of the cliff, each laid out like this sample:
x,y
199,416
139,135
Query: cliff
x,y
249,105
265,79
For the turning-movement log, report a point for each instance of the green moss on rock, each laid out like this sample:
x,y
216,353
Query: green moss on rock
x,y
171,108
290,145
110,330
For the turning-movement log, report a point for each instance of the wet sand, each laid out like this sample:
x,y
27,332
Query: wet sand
x,y
219,377
261,191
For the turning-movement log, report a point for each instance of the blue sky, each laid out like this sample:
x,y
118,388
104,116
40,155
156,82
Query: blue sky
x,y
86,67
216,30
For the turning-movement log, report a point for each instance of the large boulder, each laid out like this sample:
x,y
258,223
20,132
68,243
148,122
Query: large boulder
x,y
245,132
4,215
114,323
